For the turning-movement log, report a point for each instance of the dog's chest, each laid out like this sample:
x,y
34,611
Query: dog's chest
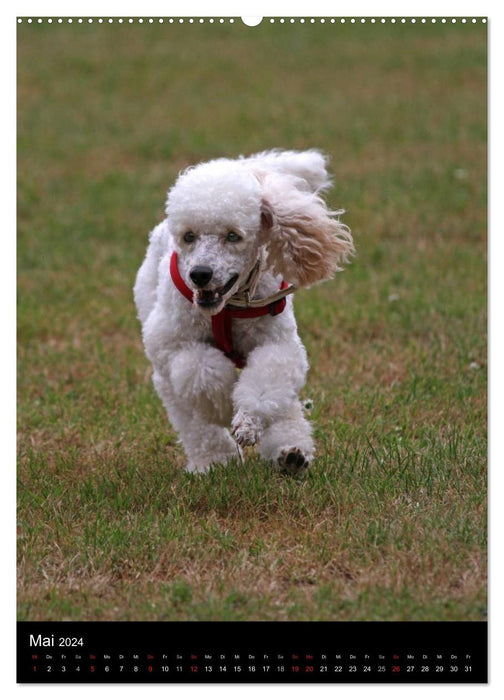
x,y
249,333
244,334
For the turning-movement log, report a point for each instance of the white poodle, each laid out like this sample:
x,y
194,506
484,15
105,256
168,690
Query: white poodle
x,y
213,300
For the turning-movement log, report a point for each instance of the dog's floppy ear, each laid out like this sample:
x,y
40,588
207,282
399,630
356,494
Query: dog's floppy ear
x,y
306,242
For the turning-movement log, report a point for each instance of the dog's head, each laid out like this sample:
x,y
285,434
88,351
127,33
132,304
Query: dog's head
x,y
222,213
214,216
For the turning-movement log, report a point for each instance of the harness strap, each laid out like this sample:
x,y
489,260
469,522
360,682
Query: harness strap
x,y
222,323
177,278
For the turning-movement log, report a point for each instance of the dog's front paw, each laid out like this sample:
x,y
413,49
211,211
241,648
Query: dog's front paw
x,y
292,461
202,464
246,429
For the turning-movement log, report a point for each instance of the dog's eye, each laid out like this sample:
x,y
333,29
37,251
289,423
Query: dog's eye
x,y
189,237
233,237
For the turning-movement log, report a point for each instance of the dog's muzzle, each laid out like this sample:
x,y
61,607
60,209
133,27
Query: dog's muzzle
x,y
201,275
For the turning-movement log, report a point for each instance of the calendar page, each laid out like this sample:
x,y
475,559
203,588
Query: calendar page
x,y
252,351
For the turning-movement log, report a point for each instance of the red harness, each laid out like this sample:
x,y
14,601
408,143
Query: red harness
x,y
222,323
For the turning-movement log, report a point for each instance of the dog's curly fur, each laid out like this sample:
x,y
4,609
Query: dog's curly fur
x,y
270,203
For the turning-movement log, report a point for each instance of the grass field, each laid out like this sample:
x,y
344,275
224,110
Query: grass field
x,y
390,523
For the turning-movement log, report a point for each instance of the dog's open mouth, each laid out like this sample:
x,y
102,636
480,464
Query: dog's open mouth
x,y
210,298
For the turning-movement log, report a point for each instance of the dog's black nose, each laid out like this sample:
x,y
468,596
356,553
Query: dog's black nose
x,y
201,275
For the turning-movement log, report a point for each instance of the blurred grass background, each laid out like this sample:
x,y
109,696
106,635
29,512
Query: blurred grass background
x,y
391,521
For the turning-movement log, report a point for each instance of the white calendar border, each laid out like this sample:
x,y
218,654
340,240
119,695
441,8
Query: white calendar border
x,y
274,8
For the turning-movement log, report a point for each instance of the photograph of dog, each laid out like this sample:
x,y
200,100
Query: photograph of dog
x,y
240,236
323,238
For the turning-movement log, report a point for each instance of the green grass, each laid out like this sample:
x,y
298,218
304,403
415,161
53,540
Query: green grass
x,y
390,523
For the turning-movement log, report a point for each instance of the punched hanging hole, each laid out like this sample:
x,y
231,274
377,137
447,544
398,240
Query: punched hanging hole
x,y
251,21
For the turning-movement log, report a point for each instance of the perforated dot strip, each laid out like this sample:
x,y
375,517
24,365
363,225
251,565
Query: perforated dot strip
x,y
233,20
